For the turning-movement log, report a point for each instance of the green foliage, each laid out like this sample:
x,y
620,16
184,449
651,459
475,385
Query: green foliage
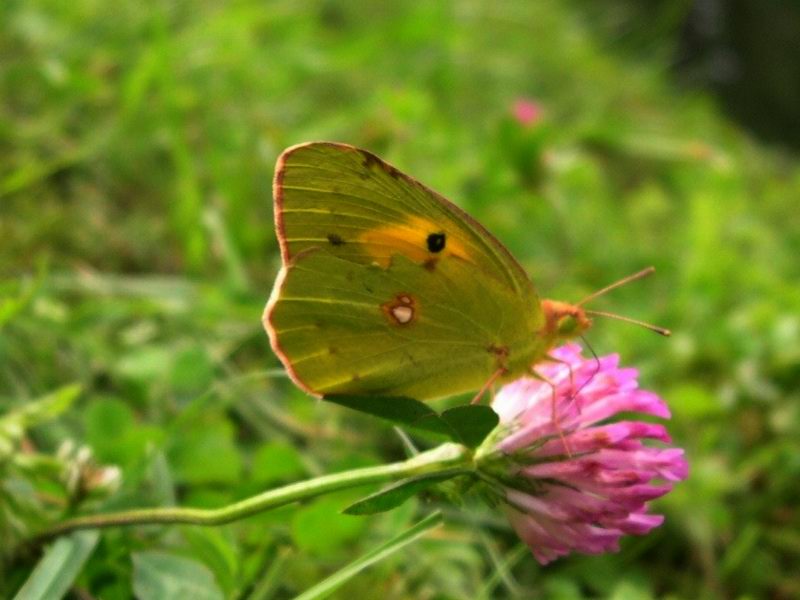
x,y
471,423
320,529
395,494
276,462
396,409
468,424
160,575
138,142
204,452
55,573
324,588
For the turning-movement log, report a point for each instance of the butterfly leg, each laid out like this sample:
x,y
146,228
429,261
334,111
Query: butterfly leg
x,y
553,410
573,393
488,385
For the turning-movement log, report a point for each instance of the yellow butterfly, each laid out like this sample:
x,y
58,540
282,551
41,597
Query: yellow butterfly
x,y
389,289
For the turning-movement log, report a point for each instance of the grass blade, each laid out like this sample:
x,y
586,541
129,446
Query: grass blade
x,y
56,571
330,584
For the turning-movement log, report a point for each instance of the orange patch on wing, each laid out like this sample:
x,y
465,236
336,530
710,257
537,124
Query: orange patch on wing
x,y
410,239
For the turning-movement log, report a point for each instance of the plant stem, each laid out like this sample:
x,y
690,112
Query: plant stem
x,y
445,457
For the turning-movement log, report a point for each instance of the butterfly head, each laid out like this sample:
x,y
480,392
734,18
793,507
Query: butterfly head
x,y
564,321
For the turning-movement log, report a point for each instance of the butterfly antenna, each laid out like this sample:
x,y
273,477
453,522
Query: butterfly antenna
x,y
659,330
616,284
594,355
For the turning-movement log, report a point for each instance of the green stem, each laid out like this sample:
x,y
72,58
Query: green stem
x,y
445,457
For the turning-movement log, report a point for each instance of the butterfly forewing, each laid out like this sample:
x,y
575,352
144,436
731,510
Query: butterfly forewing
x,y
365,210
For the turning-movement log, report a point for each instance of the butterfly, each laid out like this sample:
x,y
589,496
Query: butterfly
x,y
389,289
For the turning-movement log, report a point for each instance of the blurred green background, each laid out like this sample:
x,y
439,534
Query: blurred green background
x,y
137,143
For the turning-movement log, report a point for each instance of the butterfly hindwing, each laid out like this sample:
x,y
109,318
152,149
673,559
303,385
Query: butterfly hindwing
x,y
346,327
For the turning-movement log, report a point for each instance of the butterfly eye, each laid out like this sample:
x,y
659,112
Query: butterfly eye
x,y
436,242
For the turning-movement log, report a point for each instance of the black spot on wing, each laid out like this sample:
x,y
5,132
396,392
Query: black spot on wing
x,y
436,241
335,239
498,350
430,264
370,161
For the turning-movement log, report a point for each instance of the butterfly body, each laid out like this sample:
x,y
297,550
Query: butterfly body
x,y
388,289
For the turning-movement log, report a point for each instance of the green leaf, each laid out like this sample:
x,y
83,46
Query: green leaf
x,y
107,418
109,424
397,493
397,409
468,425
10,307
40,410
192,372
204,451
160,480
216,549
158,575
330,584
146,364
631,590
472,422
433,423
320,528
276,461
56,571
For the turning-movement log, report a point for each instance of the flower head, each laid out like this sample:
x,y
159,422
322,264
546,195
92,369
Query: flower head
x,y
526,112
581,482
